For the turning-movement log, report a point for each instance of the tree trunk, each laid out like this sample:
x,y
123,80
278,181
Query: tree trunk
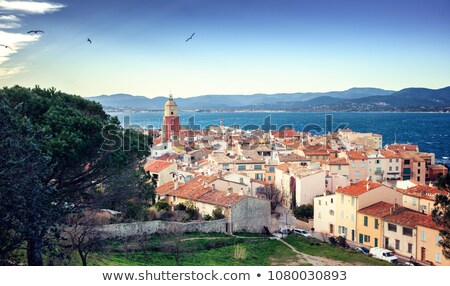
x,y
83,258
34,252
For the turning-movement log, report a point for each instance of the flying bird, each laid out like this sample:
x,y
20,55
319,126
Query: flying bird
x,y
190,38
89,40
7,47
35,31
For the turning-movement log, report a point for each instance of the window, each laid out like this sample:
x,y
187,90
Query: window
x,y
331,200
396,160
258,167
320,216
339,167
410,247
390,160
414,202
269,178
363,164
438,239
438,257
353,201
353,164
241,168
418,179
174,198
357,173
366,221
396,168
392,227
407,231
353,217
317,157
342,199
320,202
366,238
259,177
241,180
418,171
376,224
424,235
397,244
332,212
407,162
377,161
271,169
418,164
390,168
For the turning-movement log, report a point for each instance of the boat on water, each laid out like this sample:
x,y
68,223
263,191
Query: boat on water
x,y
445,158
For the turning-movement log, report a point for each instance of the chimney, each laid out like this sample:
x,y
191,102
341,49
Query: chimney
x,y
205,184
230,190
368,186
423,193
175,184
213,187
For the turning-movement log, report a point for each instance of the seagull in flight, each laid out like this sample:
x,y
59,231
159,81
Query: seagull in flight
x,y
35,31
190,38
89,40
7,47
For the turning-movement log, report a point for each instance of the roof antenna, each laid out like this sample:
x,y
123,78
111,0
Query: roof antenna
x,y
395,140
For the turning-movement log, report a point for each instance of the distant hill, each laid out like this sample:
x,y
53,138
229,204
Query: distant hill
x,y
231,101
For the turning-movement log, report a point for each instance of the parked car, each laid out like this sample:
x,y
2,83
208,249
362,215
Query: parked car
x,y
302,232
363,250
411,263
384,254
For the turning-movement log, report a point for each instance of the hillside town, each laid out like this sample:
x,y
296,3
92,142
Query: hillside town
x,y
373,194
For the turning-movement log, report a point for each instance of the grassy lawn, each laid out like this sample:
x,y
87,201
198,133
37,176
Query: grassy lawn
x,y
327,250
198,250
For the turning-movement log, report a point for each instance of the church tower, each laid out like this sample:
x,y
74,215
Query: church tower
x,y
171,121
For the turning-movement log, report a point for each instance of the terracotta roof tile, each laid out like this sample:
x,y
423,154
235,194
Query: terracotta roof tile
x,y
356,155
358,188
407,217
380,209
283,167
426,192
157,166
338,161
389,154
292,158
220,198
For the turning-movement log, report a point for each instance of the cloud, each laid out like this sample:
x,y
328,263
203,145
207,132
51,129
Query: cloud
x,y
9,72
14,40
11,18
9,25
30,7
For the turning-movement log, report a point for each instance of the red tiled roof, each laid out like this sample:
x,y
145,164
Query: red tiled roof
x,y
220,198
356,155
284,133
192,189
316,152
283,167
422,191
407,217
403,147
157,166
428,222
292,158
338,161
380,209
389,154
358,188
346,130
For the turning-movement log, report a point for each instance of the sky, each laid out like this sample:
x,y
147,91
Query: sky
x,y
239,47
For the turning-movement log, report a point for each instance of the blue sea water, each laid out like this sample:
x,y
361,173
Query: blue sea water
x,y
431,131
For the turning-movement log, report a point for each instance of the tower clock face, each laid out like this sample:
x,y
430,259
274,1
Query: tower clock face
x,y
172,108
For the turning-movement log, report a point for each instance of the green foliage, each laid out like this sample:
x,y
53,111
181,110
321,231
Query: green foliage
x,y
217,213
62,148
162,206
191,210
207,217
341,241
304,212
180,207
441,215
443,182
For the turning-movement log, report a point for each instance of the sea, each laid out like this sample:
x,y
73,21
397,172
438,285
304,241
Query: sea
x,y
431,131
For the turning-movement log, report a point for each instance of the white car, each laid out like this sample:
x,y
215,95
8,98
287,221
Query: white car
x,y
302,232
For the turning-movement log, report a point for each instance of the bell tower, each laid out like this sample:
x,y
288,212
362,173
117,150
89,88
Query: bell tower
x,y
171,121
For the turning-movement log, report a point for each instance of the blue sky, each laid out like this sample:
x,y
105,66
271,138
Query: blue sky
x,y
239,47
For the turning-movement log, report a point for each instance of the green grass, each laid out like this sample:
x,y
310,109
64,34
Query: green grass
x,y
327,250
204,250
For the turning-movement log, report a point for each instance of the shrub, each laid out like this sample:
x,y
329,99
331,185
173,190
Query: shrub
x,y
180,207
217,213
192,212
240,252
341,241
332,240
162,206
207,217
304,212
152,213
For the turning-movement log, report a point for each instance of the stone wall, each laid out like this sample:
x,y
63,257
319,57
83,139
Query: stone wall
x,y
121,230
250,215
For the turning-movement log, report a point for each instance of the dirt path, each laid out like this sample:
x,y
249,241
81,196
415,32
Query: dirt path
x,y
314,260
